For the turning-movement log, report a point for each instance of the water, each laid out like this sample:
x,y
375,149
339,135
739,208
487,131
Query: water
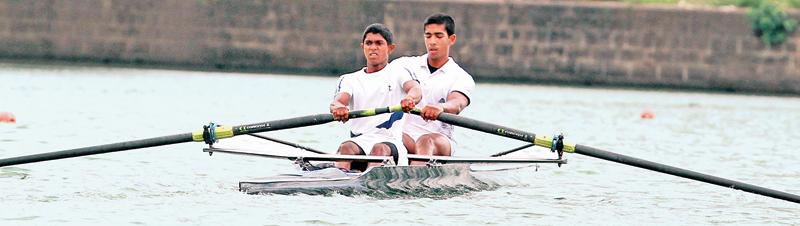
x,y
747,138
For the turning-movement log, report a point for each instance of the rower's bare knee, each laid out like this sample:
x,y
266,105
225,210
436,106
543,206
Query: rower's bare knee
x,y
425,145
433,144
349,148
410,144
381,150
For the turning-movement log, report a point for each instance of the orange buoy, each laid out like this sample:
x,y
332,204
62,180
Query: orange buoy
x,y
7,117
647,114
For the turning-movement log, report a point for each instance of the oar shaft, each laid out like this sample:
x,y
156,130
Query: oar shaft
x,y
512,150
287,143
539,140
221,132
675,171
99,149
302,121
610,156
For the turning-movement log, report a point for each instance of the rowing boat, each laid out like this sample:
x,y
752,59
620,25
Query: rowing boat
x,y
442,177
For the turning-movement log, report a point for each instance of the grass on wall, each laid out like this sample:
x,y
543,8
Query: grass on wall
x,y
740,3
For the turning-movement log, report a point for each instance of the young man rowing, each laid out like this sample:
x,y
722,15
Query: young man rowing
x,y
446,88
376,85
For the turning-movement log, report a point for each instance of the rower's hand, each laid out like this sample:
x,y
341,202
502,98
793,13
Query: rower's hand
x,y
431,112
340,114
407,104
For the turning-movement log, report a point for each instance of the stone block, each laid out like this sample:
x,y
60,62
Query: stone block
x,y
768,71
597,37
790,46
723,46
567,67
577,53
552,50
617,71
631,55
699,73
695,42
671,72
603,54
590,69
503,50
643,72
661,55
685,56
778,60
561,36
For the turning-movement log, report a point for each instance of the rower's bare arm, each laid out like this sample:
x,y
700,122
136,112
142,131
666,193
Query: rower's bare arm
x,y
456,102
339,107
413,95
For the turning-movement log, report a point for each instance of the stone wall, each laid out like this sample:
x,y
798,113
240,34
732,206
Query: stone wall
x,y
554,42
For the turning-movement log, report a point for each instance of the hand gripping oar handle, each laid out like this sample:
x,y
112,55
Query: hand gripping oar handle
x,y
221,132
543,141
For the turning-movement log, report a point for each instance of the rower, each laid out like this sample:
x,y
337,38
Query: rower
x,y
375,85
446,88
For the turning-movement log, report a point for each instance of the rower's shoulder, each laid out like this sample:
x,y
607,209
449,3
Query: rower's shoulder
x,y
455,67
407,61
351,74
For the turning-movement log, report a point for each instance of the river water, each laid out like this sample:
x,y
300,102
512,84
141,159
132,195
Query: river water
x,y
753,139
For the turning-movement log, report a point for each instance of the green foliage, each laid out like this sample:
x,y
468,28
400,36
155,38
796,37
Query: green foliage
x,y
771,24
749,3
794,3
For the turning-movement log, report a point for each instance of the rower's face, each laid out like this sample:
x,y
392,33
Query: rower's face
x,y
376,49
437,41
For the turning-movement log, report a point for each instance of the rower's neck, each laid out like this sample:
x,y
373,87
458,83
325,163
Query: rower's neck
x,y
375,68
437,63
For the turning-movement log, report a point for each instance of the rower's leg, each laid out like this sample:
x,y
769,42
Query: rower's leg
x,y
410,144
348,148
383,149
432,144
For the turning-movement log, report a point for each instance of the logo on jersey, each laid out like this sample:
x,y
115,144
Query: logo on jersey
x,y
388,123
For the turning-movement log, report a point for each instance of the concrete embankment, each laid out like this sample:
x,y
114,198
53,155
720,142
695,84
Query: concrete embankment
x,y
532,41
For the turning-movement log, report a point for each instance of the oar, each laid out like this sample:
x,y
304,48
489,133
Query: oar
x,y
544,141
287,143
202,136
512,150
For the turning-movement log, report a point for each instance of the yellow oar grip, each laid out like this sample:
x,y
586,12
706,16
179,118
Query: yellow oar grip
x,y
221,132
396,108
373,111
545,141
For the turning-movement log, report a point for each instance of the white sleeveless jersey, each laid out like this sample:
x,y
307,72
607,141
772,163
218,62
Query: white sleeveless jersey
x,y
435,88
371,90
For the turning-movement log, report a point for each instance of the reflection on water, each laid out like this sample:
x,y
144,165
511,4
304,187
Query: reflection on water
x,y
746,138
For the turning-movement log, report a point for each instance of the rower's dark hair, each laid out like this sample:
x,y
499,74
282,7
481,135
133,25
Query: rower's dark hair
x,y
441,18
380,29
